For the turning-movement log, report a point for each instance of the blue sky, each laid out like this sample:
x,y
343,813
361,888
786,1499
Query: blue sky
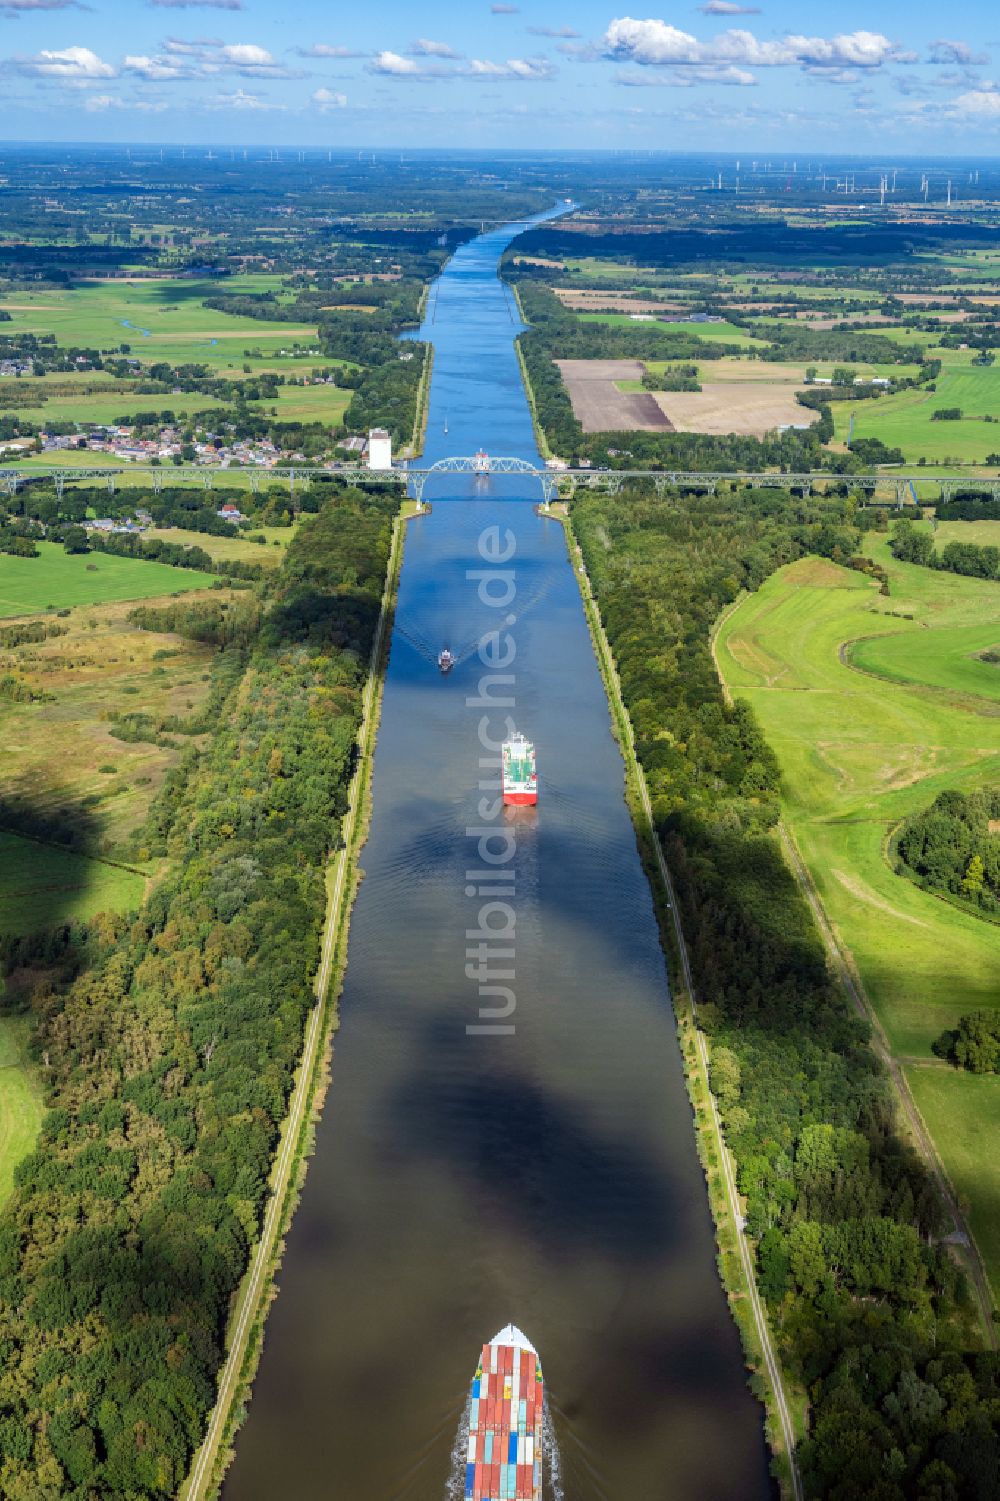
x,y
722,75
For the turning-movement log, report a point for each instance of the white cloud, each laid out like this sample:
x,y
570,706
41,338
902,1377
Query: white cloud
x,y
248,55
15,8
155,69
517,69
424,47
505,10
322,49
657,43
554,31
983,104
944,51
207,57
239,100
72,63
325,101
97,103
683,78
728,8
396,66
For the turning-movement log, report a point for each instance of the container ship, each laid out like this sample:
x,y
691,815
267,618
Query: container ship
x,y
504,1460
517,771
446,660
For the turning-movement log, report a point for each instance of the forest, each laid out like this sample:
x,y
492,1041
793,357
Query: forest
x,y
168,1059
871,1314
953,848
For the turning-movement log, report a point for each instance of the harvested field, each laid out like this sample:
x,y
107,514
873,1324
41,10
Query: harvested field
x,y
770,372
732,407
594,300
598,404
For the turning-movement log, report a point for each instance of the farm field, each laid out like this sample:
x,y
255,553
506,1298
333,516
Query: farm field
x,y
607,396
982,533
721,333
734,407
962,1113
110,406
62,757
21,1105
857,756
59,579
905,419
158,319
234,549
308,403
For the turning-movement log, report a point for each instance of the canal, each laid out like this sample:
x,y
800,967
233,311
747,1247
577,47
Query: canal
x,y
539,1166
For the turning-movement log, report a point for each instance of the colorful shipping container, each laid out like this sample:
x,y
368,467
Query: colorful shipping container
x,y
505,1422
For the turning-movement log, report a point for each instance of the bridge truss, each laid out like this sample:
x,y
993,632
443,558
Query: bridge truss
x,y
415,478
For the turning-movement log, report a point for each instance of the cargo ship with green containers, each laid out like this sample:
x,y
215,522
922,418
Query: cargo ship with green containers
x,y
506,1414
517,770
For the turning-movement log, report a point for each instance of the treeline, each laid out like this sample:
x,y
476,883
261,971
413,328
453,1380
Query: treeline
x,y
192,509
970,506
953,848
870,1311
967,558
169,1064
790,341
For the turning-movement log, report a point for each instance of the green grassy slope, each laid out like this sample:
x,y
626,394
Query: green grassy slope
x,y
59,578
859,753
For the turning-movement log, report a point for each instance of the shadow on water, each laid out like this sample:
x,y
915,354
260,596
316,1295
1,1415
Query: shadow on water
x,y
485,1126
547,1177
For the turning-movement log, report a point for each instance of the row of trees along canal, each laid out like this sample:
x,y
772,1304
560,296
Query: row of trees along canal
x,y
872,1317
170,1050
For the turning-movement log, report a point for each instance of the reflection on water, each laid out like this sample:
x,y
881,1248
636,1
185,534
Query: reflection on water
x,y
548,1177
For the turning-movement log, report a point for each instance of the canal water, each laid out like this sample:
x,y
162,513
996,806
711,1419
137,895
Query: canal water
x,y
544,1175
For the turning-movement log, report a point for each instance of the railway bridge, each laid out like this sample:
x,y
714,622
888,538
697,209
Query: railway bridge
x,y
414,478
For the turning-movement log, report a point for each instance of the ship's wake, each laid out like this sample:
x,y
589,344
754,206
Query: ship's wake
x,y
467,648
552,1489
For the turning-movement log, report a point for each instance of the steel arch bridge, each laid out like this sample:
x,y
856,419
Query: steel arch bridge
x,y
484,469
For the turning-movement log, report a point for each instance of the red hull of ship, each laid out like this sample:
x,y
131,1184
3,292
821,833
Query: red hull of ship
x,y
520,799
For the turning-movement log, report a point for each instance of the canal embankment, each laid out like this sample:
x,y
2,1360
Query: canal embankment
x,y
246,1326
784,1408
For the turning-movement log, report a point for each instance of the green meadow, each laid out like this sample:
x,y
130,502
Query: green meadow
x,y
159,319
962,1113
42,885
858,754
60,579
905,419
235,549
